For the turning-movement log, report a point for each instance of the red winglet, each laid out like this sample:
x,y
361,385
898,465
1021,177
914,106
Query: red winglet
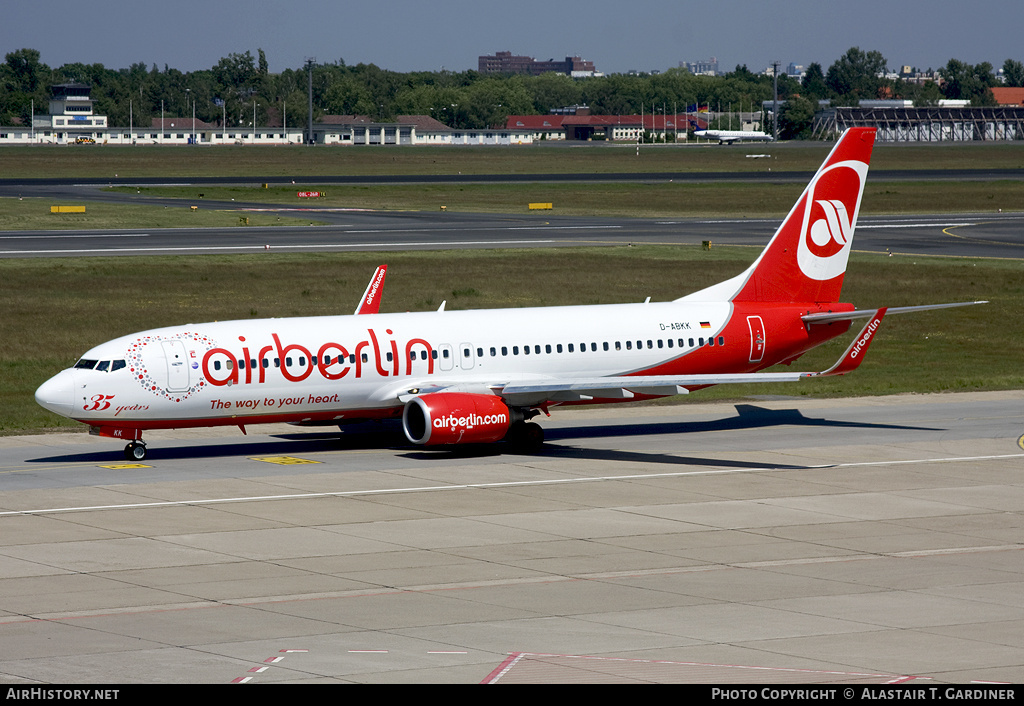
x,y
370,303
859,348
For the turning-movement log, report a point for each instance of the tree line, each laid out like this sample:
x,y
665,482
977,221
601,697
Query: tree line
x,y
240,85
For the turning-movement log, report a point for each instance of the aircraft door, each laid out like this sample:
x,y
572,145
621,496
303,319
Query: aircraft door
x,y
177,365
466,356
445,356
757,341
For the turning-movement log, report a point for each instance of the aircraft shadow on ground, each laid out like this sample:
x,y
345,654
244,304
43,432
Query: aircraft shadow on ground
x,y
382,436
748,417
318,442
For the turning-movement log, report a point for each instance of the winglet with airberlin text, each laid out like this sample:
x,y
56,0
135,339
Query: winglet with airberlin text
x,y
857,350
370,303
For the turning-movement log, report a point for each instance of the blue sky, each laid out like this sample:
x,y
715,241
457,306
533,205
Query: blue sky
x,y
402,35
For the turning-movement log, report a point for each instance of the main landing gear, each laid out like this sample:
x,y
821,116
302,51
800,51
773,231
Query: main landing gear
x,y
525,436
135,451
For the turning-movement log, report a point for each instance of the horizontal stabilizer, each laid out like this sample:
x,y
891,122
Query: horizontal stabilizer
x,y
829,317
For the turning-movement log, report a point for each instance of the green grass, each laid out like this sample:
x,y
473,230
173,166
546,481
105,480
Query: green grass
x,y
634,200
107,161
55,309
34,214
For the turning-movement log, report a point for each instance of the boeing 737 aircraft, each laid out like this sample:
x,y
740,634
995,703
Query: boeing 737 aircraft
x,y
726,136
456,377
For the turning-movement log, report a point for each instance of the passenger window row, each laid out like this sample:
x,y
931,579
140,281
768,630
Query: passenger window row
x,y
255,363
534,349
593,346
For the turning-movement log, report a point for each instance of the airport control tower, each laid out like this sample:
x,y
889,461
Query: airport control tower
x,y
71,118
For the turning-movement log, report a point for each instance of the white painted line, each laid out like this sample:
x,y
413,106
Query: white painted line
x,y
76,235
730,221
562,228
508,484
288,246
913,225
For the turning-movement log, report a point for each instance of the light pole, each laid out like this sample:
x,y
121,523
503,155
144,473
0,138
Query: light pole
x,y
309,70
775,101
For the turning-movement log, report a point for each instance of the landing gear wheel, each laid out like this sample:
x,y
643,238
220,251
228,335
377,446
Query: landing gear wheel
x,y
525,436
135,451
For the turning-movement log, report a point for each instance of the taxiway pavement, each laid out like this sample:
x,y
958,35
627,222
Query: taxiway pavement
x,y
778,540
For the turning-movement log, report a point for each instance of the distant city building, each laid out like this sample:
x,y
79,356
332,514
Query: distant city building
x,y
795,70
912,75
707,67
503,62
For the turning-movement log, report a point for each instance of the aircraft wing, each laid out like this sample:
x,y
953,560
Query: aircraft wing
x,y
539,391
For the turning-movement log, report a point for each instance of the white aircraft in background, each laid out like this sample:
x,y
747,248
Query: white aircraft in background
x,y
726,136
457,377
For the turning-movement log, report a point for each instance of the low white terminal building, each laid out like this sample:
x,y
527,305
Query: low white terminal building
x,y
71,120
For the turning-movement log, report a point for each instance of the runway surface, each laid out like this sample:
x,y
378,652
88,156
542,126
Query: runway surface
x,y
956,235
776,540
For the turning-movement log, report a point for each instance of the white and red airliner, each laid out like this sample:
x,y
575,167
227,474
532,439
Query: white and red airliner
x,y
457,377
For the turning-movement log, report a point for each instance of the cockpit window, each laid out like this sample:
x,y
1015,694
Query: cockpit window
x,y
103,366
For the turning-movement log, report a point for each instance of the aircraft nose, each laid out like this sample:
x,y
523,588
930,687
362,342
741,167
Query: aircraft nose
x,y
58,393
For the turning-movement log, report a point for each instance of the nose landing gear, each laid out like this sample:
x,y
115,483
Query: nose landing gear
x,y
135,451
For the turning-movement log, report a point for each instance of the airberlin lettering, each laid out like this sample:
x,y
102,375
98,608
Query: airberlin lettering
x,y
295,363
468,422
863,341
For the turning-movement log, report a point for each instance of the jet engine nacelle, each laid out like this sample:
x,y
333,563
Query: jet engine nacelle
x,y
455,418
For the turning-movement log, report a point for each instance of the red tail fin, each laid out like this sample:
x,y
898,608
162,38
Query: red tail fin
x,y
806,259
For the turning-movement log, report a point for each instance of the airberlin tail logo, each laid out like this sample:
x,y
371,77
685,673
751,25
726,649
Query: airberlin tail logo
x,y
830,212
834,227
